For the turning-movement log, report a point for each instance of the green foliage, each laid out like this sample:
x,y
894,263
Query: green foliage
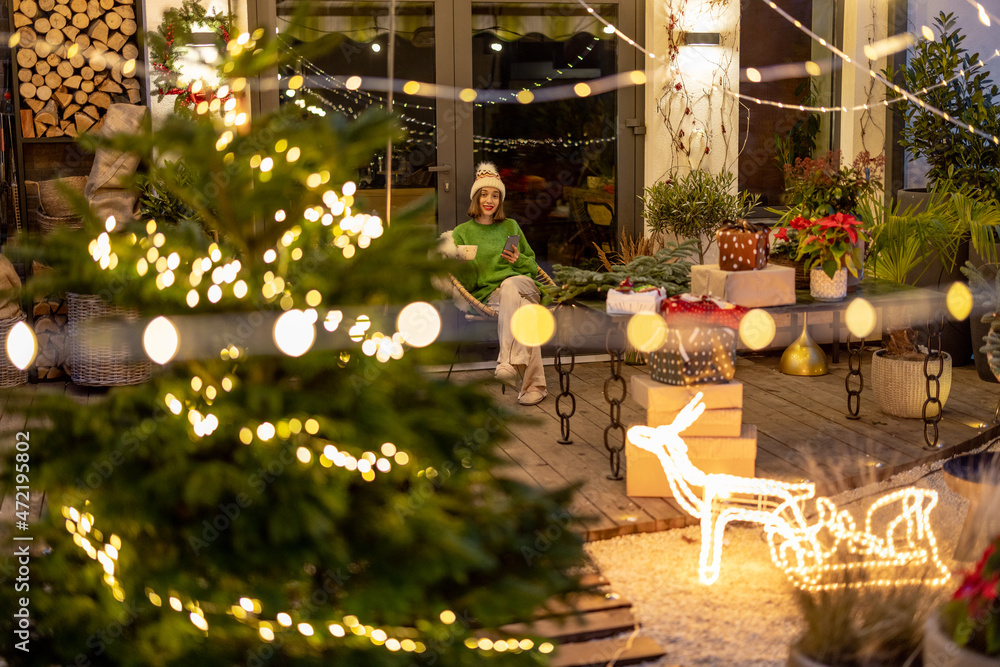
x,y
821,187
288,519
694,206
953,153
158,202
800,141
669,268
903,241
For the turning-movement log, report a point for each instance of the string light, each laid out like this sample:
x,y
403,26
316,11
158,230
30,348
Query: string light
x,y
804,551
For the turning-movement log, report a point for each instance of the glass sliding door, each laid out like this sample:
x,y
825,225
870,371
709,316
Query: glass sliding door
x,y
363,50
557,157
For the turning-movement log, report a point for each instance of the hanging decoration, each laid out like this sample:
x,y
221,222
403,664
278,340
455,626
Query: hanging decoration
x,y
826,553
184,52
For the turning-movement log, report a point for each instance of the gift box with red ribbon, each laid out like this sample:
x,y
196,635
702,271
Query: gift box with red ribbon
x,y
689,310
743,246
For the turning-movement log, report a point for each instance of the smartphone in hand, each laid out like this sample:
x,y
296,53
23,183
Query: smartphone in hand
x,y
512,242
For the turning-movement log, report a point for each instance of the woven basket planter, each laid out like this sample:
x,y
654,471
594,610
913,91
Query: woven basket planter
x,y
901,388
10,375
100,360
51,196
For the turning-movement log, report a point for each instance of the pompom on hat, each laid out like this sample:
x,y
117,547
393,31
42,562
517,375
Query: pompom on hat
x,y
487,176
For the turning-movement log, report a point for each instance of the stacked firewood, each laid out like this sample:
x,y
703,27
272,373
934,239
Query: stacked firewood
x,y
75,58
50,315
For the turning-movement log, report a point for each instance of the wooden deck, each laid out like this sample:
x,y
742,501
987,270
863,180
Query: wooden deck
x,y
802,433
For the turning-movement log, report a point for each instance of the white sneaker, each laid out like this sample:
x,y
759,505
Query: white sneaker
x,y
533,397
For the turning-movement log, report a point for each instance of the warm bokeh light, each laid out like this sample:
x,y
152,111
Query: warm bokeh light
x,y
419,323
294,333
532,325
860,318
959,301
647,332
22,346
757,329
161,340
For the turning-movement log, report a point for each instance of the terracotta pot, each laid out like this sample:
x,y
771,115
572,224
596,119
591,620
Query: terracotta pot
x,y
824,288
900,386
941,651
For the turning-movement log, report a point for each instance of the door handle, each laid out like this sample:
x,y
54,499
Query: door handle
x,y
444,168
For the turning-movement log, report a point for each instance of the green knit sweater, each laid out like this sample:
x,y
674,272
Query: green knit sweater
x,y
485,273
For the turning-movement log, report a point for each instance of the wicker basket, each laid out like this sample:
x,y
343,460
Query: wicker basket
x,y
900,386
101,360
801,278
10,375
48,224
52,198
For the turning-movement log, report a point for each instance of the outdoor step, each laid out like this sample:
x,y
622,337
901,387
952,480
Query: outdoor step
x,y
591,625
601,652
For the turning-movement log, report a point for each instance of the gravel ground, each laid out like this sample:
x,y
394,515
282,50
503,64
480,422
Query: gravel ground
x,y
749,616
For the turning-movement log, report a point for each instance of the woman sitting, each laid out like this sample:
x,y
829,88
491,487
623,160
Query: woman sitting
x,y
502,278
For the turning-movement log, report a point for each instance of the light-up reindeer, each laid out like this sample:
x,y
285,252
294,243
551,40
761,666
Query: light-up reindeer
x,y
801,548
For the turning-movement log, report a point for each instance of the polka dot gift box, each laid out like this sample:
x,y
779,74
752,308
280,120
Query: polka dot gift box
x,y
742,246
701,341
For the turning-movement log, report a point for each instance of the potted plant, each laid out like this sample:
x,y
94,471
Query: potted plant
x,y
694,206
966,632
951,151
862,625
830,248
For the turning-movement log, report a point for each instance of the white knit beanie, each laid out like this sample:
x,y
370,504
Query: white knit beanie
x,y
487,176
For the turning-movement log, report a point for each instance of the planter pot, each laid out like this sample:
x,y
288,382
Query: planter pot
x,y
824,288
941,651
977,327
900,386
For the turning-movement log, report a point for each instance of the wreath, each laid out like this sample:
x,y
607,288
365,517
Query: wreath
x,y
171,42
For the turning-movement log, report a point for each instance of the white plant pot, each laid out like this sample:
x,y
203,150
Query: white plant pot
x,y
900,386
941,651
824,288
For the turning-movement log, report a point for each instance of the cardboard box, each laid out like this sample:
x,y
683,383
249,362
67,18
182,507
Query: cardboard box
x,y
773,285
644,476
654,395
724,423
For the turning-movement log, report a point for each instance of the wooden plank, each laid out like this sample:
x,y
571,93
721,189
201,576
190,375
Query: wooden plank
x,y
602,652
585,602
582,627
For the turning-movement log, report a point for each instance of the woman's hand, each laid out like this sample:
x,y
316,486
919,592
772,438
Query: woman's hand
x,y
510,255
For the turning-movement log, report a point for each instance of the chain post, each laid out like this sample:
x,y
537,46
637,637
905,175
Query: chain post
x,y
933,379
854,370
617,355
564,377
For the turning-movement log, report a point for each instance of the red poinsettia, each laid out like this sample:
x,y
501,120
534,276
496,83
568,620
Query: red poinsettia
x,y
972,615
829,242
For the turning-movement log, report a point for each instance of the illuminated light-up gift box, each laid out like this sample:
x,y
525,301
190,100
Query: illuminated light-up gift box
x,y
773,285
644,475
657,396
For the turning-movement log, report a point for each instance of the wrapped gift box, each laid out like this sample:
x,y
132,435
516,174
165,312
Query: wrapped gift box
x,y
644,476
742,246
654,395
626,303
695,356
718,423
773,285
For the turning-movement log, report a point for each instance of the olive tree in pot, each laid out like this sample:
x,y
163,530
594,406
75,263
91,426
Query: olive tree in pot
x,y
694,206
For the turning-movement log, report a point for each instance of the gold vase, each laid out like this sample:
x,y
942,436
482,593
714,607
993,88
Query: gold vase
x,y
804,356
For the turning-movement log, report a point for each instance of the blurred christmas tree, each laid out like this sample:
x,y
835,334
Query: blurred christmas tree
x,y
246,506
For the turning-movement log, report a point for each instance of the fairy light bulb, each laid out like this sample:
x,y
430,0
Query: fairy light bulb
x,y
161,340
21,345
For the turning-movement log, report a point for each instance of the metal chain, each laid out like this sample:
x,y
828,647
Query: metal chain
x,y
564,391
854,370
933,386
615,411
